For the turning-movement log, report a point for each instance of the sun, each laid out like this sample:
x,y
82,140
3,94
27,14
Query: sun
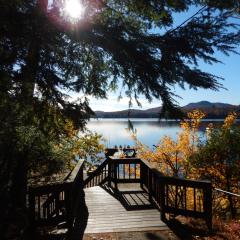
x,y
73,9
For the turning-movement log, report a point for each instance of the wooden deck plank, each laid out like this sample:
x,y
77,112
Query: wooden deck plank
x,y
107,214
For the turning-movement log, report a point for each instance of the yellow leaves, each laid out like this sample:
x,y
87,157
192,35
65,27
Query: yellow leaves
x,y
171,156
185,125
195,118
72,145
69,129
230,120
196,114
209,130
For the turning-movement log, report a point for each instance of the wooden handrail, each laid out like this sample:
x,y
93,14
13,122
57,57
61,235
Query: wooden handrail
x,y
75,172
174,195
125,160
99,176
54,202
71,177
186,182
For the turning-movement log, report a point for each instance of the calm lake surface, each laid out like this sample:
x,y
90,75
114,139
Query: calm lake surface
x,y
149,131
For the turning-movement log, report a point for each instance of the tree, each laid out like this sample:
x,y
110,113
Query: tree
x,y
43,55
30,152
173,157
218,158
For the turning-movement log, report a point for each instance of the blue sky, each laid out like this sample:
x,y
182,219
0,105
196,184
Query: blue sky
x,y
229,70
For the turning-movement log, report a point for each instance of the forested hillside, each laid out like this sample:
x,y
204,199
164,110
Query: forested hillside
x,y
212,110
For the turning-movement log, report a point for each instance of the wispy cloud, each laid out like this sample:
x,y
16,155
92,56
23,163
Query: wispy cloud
x,y
114,104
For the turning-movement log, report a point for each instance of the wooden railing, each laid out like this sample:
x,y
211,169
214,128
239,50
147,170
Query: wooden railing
x,y
49,204
178,196
171,195
54,203
115,171
99,176
124,171
186,197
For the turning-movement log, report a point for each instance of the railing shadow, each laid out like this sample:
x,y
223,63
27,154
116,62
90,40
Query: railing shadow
x,y
134,200
131,199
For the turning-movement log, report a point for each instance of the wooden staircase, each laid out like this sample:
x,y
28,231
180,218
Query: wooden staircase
x,y
103,191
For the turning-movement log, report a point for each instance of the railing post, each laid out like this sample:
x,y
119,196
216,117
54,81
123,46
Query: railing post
x,y
57,205
68,197
80,180
115,165
109,172
162,199
31,201
141,175
208,205
150,184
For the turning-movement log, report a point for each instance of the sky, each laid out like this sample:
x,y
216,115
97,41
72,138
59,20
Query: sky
x,y
229,70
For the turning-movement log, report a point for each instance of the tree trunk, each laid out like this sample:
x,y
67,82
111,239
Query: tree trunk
x,y
17,216
29,74
13,193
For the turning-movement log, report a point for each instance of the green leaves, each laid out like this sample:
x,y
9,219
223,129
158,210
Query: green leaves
x,y
218,158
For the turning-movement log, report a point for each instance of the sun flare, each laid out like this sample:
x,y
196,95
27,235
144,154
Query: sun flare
x,y
74,9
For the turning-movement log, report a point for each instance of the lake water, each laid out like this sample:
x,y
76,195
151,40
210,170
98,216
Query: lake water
x,y
149,131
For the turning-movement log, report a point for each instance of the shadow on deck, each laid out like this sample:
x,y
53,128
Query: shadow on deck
x,y
131,196
128,210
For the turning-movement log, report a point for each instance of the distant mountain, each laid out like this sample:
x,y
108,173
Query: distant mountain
x,y
133,113
212,110
206,104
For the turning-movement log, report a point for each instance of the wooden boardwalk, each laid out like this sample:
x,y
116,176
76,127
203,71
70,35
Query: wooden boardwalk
x,y
81,207
130,212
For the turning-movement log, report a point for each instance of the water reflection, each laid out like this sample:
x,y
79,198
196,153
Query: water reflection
x,y
149,131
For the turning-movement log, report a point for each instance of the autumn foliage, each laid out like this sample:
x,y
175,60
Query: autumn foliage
x,y
172,156
213,156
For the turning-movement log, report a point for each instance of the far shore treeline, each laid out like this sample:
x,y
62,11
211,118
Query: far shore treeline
x,y
212,111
